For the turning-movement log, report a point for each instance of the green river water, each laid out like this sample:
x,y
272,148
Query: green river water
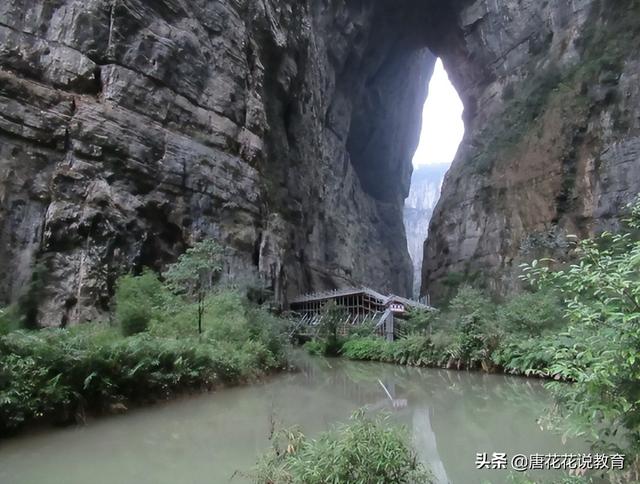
x,y
205,439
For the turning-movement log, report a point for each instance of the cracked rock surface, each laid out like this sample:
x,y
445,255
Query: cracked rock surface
x,y
129,129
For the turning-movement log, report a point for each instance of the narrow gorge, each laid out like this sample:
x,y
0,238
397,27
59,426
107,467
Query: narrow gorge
x,y
130,129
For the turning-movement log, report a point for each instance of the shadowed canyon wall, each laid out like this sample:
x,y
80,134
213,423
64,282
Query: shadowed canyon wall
x,y
426,183
552,143
131,128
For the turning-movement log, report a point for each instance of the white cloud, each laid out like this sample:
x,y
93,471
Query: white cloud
x,y
442,126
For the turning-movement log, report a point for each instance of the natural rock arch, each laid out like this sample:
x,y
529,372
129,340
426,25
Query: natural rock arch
x,y
283,129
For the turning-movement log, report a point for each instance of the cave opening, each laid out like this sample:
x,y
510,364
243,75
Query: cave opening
x,y
441,134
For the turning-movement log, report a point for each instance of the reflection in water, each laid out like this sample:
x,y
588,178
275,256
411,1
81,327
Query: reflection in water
x,y
424,439
451,415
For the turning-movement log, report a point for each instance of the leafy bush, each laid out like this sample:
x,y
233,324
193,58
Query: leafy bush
x,y
530,356
365,451
414,350
137,299
9,320
363,330
58,373
420,320
470,303
133,318
268,329
370,348
316,347
327,340
602,304
530,313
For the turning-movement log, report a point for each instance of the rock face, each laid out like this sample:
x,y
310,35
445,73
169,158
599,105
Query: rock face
x,y
131,128
552,137
285,129
426,183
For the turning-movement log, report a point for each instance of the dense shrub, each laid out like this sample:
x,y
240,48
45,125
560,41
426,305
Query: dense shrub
x,y
364,451
473,332
9,320
530,313
316,347
601,292
328,341
419,320
137,300
59,373
529,356
369,348
469,302
133,318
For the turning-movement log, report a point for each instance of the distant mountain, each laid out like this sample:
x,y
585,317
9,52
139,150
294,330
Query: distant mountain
x,y
426,183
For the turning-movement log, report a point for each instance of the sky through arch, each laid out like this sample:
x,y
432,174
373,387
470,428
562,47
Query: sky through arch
x,y
442,126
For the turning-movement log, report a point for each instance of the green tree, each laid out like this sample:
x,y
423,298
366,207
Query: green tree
x,y
601,294
196,272
332,318
420,320
473,303
137,299
530,313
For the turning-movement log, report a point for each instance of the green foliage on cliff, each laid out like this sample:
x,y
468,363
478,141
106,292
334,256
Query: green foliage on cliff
x,y
522,107
610,36
61,373
364,451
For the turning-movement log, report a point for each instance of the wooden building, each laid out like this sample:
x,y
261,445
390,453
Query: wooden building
x,y
360,305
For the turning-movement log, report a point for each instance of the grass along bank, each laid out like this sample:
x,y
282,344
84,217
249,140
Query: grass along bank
x,y
165,340
472,332
366,450
578,324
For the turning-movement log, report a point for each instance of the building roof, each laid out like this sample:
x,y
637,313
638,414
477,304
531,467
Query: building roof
x,y
353,291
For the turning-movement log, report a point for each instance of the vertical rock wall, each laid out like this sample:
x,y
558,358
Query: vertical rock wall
x,y
552,97
426,183
131,128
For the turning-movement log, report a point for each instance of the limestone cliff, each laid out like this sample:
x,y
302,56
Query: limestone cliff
x,y
131,128
285,129
552,140
426,182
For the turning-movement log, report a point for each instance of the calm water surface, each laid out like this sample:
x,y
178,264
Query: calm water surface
x,y
204,439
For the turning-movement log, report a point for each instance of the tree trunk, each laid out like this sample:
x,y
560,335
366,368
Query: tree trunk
x,y
200,308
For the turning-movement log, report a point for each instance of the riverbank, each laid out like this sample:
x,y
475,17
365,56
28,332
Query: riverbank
x,y
60,376
518,337
528,358
205,438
